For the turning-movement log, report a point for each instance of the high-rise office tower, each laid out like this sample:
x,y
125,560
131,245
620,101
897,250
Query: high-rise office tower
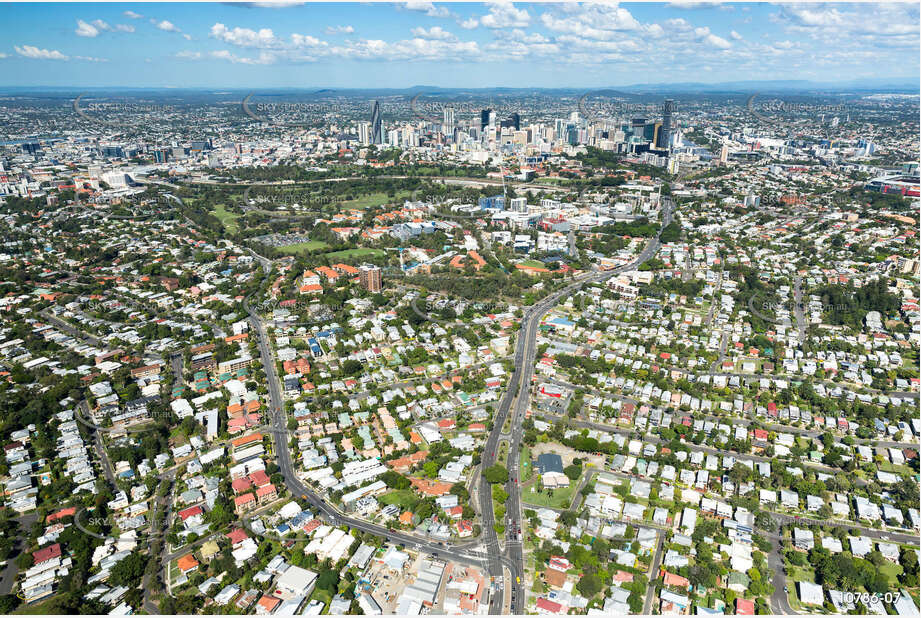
x,y
484,119
364,133
377,136
448,118
666,133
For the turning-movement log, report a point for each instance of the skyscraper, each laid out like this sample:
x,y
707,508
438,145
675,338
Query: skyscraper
x,y
364,133
666,132
484,119
377,136
369,277
448,118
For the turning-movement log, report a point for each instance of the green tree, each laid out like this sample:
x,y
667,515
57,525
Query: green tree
x,y
590,585
496,474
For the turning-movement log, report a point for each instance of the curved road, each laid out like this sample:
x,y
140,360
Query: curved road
x,y
519,383
495,558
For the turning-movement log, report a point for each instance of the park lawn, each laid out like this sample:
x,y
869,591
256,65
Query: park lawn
x,y
310,245
801,574
887,466
561,497
43,607
525,462
228,219
405,498
533,264
375,199
321,594
892,571
350,253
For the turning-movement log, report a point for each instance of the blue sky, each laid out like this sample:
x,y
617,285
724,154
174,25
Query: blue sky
x,y
450,44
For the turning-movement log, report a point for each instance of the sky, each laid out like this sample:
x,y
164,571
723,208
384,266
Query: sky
x,y
462,45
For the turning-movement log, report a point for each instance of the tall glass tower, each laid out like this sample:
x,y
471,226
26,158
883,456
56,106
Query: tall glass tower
x,y
376,129
666,132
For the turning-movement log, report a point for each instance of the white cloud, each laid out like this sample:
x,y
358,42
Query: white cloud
x,y
132,15
735,36
2,55
428,8
166,26
693,5
91,59
822,20
525,37
411,49
189,55
30,51
435,32
593,21
244,37
339,30
97,27
305,40
281,4
505,15
708,37
469,24
85,29
263,58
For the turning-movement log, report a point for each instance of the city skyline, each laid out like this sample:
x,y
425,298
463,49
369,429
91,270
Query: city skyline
x,y
463,45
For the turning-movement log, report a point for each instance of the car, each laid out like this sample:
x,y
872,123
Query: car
x,y
517,580
786,589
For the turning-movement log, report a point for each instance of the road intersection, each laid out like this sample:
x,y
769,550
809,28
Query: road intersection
x,y
498,558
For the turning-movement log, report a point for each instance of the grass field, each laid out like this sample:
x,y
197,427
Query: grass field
x,y
376,199
322,595
533,264
404,498
350,253
560,499
891,571
525,459
311,245
227,219
42,607
801,574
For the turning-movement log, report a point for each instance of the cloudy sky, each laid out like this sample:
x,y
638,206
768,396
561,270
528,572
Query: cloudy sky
x,y
451,44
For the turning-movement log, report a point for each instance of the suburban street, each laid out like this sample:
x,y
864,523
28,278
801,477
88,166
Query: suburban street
x,y
493,556
497,555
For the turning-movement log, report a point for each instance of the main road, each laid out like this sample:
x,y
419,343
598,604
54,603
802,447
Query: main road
x,y
495,558
517,393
